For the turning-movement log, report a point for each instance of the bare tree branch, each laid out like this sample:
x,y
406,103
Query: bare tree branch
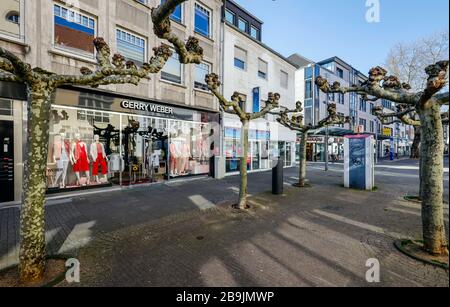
x,y
190,52
379,85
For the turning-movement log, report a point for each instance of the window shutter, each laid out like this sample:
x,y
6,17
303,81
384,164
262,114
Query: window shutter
x,y
262,66
240,54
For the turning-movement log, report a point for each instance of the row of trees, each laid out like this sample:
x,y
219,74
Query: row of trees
x,y
41,84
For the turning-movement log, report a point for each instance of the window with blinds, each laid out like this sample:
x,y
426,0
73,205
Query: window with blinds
x,y
240,58
262,69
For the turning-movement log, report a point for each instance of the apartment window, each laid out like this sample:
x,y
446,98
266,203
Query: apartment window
x,y
73,31
177,14
330,96
363,122
284,79
201,70
240,58
13,17
172,71
202,20
371,106
243,25
308,89
341,98
254,32
372,126
143,1
362,105
230,16
262,69
131,46
339,73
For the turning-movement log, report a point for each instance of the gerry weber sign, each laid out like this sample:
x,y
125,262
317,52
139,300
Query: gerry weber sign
x,y
148,107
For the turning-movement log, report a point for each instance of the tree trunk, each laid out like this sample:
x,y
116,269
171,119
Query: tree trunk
x,y
244,180
415,148
32,217
302,161
432,187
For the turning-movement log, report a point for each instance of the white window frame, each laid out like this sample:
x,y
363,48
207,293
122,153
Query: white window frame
x,y
69,51
181,73
10,36
210,24
209,71
135,35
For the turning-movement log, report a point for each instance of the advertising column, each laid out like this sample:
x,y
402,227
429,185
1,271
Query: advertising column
x,y
359,162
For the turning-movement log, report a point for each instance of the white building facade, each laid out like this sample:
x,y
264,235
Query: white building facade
x,y
394,138
252,69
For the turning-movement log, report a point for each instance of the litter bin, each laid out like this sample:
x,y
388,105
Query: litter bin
x,y
277,177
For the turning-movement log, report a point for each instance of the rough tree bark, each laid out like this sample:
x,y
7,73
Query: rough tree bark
x,y
427,104
233,107
302,160
432,189
415,147
295,122
41,85
243,167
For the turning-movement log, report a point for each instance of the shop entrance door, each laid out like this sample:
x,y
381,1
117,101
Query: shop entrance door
x,y
7,161
256,155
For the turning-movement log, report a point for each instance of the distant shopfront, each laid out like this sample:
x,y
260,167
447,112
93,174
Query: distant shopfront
x,y
263,149
98,140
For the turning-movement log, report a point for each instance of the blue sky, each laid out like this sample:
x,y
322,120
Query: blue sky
x,y
319,29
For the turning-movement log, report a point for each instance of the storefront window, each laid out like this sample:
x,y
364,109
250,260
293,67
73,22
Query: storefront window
x,y
189,148
288,154
233,153
144,150
82,150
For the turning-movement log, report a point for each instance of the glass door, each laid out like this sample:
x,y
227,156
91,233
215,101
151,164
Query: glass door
x,y
255,155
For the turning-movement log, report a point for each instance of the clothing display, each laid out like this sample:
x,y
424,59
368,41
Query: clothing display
x,y
99,157
81,158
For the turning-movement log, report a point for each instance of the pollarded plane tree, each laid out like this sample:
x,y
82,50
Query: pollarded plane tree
x,y
427,104
293,120
233,106
41,84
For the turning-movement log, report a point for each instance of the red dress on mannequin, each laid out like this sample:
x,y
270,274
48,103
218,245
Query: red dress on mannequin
x,y
82,163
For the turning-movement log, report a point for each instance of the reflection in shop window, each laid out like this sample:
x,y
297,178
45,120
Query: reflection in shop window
x,y
190,148
81,152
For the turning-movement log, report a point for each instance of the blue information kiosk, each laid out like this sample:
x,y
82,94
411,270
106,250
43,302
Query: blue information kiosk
x,y
359,162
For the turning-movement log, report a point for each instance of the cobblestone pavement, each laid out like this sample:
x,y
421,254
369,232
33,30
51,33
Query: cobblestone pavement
x,y
184,234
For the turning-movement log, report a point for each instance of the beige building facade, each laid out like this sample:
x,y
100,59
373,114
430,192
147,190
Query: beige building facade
x,y
163,140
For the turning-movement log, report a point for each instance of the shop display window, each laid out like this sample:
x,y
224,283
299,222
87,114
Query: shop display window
x,y
81,152
190,148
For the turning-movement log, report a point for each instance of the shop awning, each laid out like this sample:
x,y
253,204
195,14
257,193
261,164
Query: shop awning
x,y
332,131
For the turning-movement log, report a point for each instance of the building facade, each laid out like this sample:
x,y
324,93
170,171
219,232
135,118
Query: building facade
x,y
395,138
120,134
252,69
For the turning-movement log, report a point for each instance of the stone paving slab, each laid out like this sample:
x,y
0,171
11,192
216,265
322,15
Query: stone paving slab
x,y
183,234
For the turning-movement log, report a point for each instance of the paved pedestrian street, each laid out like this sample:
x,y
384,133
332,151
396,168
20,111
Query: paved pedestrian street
x,y
185,234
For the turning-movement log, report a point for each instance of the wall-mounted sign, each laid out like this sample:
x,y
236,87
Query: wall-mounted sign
x,y
387,131
316,139
148,107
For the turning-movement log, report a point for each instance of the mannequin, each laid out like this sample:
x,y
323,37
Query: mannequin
x,y
80,159
98,155
185,155
174,157
61,153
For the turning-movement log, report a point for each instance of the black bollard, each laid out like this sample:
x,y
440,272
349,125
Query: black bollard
x,y
277,177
